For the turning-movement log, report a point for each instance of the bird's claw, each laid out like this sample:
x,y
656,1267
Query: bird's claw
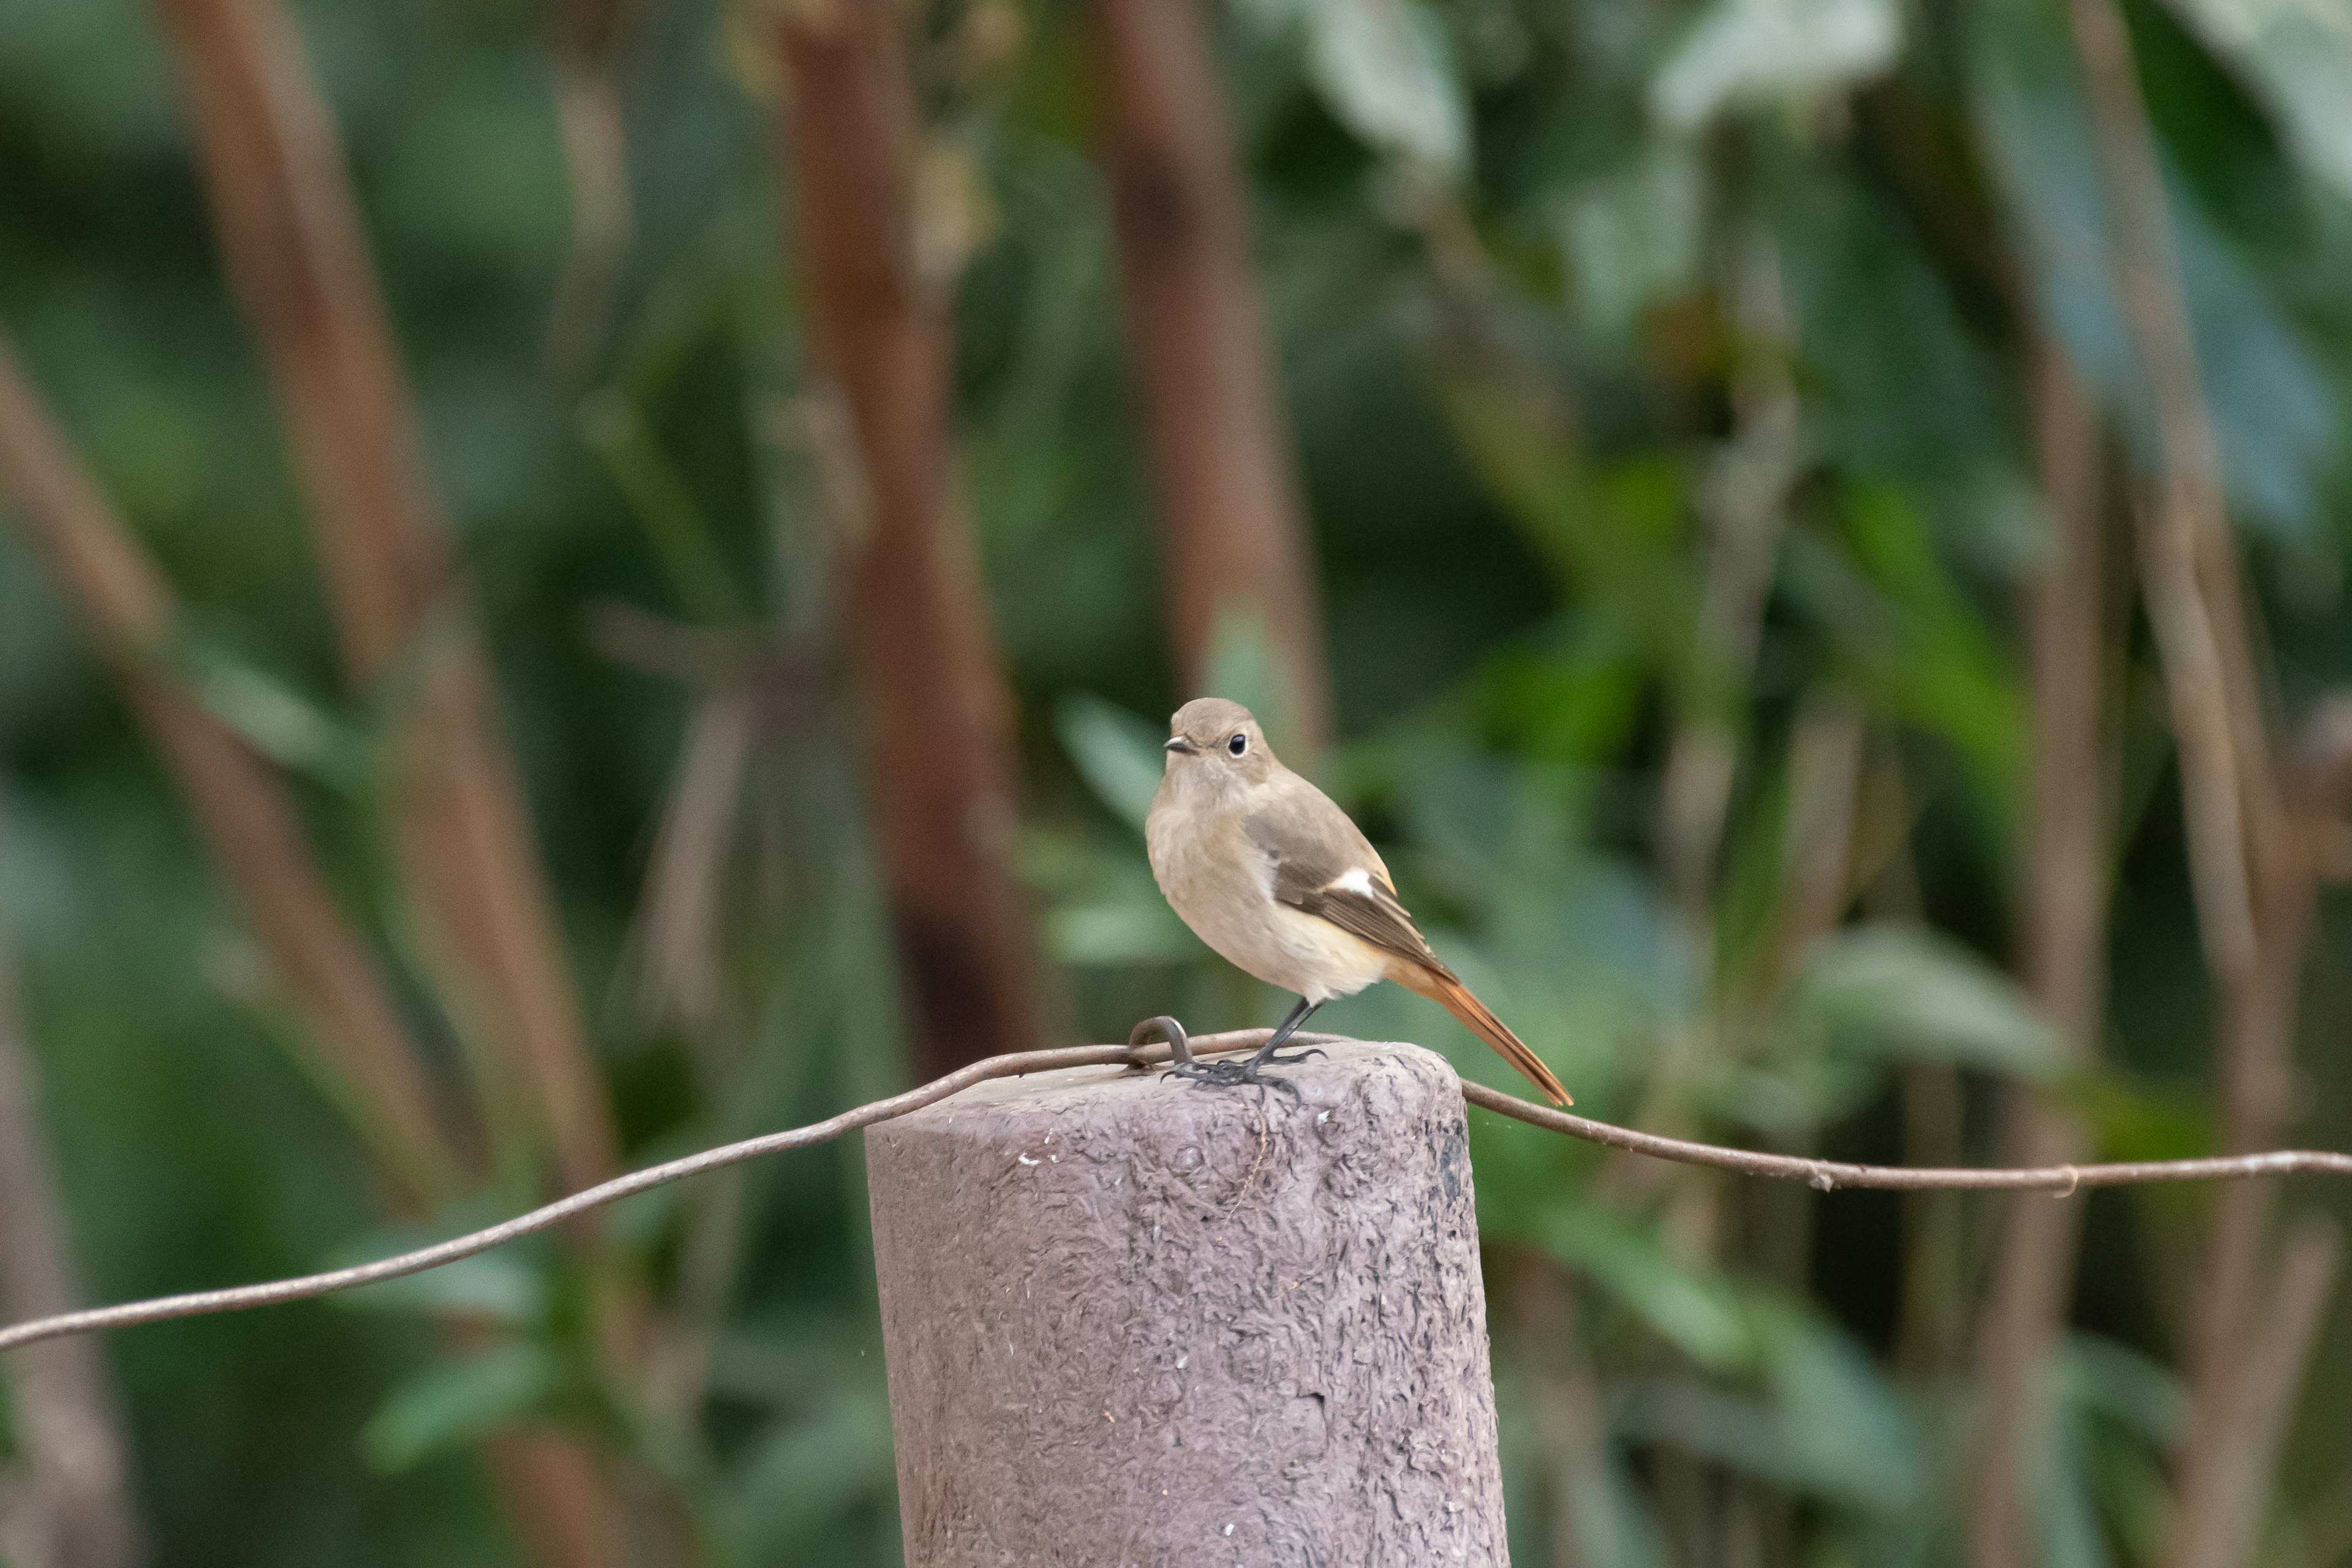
x,y
1233,1074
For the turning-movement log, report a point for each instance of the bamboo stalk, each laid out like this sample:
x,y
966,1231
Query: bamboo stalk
x,y
249,824
292,237
1233,539
2065,877
1743,503
2226,1526
70,1503
2252,869
588,35
484,916
253,832
936,715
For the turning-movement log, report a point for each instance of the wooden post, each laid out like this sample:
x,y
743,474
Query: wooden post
x,y
1130,1321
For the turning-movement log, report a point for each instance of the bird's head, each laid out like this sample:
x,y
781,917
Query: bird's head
x,y
1215,747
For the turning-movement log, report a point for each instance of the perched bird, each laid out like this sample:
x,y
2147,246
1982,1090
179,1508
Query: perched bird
x,y
1274,877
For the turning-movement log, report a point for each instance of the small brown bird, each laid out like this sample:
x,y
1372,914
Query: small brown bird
x,y
1274,877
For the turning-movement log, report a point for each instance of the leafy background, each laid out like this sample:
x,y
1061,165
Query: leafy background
x,y
1553,287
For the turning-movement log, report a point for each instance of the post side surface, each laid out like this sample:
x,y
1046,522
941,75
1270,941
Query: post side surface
x,y
1129,1320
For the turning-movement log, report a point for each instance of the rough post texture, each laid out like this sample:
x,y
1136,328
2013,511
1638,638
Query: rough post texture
x,y
1129,1320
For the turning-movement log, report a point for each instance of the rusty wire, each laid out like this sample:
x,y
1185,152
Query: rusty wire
x,y
1826,1175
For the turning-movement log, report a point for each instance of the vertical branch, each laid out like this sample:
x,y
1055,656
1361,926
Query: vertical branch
x,y
1742,504
290,233
1233,540
2186,520
938,721
70,1505
2065,880
2227,1524
1825,755
253,832
2250,865
249,824
588,117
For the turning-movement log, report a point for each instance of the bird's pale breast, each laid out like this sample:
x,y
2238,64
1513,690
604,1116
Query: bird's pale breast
x,y
1223,886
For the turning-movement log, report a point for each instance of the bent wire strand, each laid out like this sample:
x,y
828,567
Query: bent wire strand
x,y
1823,1174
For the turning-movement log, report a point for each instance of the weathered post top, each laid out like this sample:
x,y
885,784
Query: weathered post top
x,y
1129,1320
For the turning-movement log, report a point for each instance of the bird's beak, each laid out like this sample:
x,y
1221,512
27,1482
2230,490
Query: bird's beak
x,y
1182,746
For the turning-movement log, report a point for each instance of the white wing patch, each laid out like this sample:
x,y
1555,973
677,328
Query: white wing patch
x,y
1358,881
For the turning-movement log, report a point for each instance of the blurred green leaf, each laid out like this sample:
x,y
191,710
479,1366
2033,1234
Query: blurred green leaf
x,y
1242,666
2133,1121
1754,51
1700,1314
2276,417
507,1286
1571,699
1893,991
1633,237
455,1402
2298,56
279,721
1103,906
699,579
1826,1424
1615,532
2116,1418
1387,71
1139,928
807,1467
8,1441
1910,636
1120,755
2119,1383
1849,1432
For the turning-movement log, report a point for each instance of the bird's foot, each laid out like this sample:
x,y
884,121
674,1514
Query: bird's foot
x,y
1233,1074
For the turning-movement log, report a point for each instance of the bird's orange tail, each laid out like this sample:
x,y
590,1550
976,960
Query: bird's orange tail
x,y
1441,987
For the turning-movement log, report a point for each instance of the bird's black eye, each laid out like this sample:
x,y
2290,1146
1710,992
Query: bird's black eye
x,y
1238,745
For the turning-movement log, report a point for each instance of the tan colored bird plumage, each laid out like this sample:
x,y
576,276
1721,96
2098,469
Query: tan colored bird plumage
x,y
1276,878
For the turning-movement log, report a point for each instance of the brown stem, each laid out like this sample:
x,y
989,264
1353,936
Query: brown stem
x,y
2250,870
588,116
290,235
294,248
1742,503
250,825
70,1505
1231,537
1934,1116
2065,880
253,831
1826,756
558,1498
2224,1529
935,714
2188,507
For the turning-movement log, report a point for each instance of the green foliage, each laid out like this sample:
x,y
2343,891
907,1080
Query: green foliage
x,y
1531,272
450,1403
1870,994
1116,752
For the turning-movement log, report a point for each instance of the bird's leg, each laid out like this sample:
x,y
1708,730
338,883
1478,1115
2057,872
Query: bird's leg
x,y
1227,1074
1283,1031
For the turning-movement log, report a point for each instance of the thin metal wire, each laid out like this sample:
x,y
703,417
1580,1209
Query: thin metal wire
x,y
1824,1175
1827,1175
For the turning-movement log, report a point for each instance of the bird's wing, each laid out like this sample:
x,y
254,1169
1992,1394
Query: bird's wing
x,y
1324,865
